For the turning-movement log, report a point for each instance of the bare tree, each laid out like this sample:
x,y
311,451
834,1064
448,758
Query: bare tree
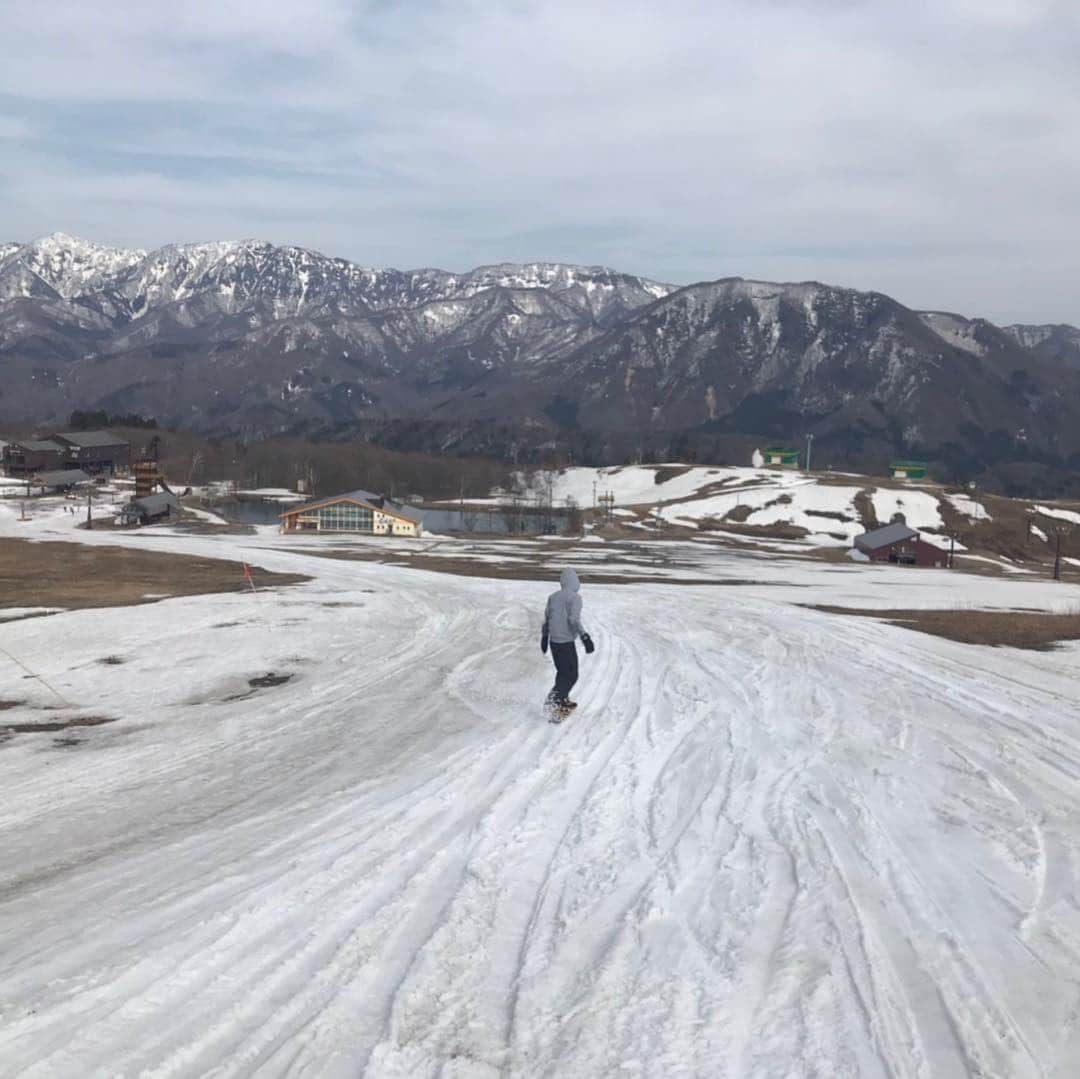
x,y
513,513
197,457
575,519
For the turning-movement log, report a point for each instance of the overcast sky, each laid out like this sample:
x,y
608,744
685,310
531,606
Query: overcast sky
x,y
929,149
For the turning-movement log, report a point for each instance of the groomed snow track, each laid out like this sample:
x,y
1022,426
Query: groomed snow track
x,y
771,842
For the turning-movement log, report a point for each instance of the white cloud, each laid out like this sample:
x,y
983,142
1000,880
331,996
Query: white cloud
x,y
926,149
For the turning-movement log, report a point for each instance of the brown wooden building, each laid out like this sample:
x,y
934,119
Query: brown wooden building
x,y
900,545
94,451
26,456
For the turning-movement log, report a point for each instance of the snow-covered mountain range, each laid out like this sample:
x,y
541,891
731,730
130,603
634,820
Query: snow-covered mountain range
x,y
249,337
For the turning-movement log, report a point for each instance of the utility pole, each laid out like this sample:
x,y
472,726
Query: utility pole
x,y
1060,532
954,536
89,516
809,447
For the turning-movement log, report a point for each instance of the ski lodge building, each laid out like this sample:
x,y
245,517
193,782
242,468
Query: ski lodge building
x,y
94,451
23,457
900,545
357,511
90,451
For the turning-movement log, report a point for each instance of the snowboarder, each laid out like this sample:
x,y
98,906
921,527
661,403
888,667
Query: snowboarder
x,y
562,625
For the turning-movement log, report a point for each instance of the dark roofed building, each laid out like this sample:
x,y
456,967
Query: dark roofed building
x,y
61,480
900,545
96,451
24,456
151,508
355,511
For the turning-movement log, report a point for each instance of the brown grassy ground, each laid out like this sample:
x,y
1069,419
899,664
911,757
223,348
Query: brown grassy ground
x,y
1035,630
536,569
74,576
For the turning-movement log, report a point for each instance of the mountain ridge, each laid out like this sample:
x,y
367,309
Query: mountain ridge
x,y
247,338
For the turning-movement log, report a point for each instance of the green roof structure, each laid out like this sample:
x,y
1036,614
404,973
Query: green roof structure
x,y
912,470
781,455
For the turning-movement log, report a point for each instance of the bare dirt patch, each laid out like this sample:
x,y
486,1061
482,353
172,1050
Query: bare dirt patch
x,y
74,576
1034,630
262,681
669,472
781,530
265,681
57,724
538,569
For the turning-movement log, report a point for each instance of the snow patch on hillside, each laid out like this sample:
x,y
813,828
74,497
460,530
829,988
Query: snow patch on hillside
x,y
635,485
957,331
921,509
968,507
1061,515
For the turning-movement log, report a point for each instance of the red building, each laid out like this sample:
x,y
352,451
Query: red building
x,y
900,545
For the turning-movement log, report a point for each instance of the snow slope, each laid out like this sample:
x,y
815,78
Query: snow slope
x,y
771,842
826,510
969,507
635,485
1062,515
921,509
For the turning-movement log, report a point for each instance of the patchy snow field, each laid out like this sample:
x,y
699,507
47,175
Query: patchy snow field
x,y
966,505
771,842
1060,515
920,508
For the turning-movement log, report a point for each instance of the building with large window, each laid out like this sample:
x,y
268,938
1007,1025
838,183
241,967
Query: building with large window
x,y
356,511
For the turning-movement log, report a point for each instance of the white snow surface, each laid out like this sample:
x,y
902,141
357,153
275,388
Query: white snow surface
x,y
771,841
635,485
783,498
1062,515
921,509
969,507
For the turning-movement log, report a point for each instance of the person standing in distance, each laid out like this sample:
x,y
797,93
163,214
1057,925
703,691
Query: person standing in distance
x,y
562,626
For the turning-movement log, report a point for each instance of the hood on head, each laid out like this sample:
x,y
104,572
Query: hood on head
x,y
569,579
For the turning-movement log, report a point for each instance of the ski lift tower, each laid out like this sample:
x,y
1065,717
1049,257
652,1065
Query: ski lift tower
x,y
607,507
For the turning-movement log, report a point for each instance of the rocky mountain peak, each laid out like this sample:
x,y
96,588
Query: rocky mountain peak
x,y
63,266
1059,342
249,336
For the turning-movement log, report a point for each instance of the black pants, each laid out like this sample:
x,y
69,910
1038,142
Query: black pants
x,y
565,657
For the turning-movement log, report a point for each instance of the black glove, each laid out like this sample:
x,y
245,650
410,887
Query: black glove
x,y
543,641
587,641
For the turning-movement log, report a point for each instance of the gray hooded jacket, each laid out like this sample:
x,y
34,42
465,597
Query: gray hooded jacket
x,y
562,618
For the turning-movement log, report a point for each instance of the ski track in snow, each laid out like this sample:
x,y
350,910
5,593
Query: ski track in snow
x,y
770,842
